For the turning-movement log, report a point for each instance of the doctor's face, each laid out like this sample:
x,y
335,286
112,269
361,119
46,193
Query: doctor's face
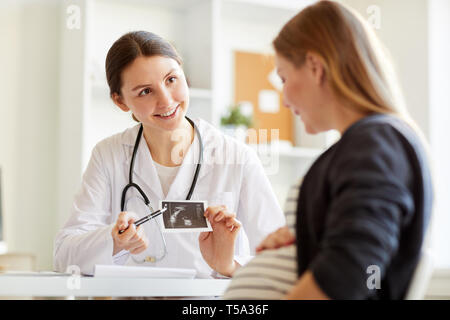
x,y
155,90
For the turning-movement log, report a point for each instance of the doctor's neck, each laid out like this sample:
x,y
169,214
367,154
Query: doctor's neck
x,y
169,147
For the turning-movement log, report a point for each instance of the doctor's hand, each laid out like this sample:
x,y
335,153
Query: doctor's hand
x,y
280,238
217,247
133,239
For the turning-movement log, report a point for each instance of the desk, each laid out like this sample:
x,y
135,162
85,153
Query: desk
x,y
60,286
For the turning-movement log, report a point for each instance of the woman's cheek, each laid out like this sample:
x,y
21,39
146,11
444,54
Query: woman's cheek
x,y
285,97
289,96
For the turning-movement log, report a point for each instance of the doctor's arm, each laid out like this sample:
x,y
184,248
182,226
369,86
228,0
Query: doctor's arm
x,y
85,239
258,210
217,247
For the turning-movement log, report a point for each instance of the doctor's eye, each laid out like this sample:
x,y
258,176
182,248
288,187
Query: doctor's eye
x,y
144,92
171,79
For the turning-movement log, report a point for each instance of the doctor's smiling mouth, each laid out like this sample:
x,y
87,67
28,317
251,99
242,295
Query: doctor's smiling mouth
x,y
172,113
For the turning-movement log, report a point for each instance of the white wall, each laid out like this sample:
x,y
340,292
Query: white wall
x,y
10,33
28,122
404,31
439,86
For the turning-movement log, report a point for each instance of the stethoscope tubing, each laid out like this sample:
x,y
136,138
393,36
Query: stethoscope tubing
x,y
131,184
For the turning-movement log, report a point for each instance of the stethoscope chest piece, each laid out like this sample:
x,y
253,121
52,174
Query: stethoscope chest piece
x,y
145,199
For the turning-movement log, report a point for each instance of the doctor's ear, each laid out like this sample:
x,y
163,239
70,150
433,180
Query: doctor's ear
x,y
118,101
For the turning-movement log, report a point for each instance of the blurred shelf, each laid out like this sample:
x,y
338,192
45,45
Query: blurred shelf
x,y
263,10
289,153
171,4
274,4
300,152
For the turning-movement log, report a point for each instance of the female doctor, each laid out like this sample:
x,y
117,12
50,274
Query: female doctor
x,y
166,156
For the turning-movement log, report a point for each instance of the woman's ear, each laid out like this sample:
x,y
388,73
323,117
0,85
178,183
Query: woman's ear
x,y
315,65
118,101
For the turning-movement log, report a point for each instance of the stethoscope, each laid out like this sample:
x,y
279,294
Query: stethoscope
x,y
131,184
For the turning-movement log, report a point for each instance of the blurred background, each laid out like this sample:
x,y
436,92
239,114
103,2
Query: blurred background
x,y
55,103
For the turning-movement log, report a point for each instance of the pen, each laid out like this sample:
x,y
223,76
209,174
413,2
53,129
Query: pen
x,y
146,218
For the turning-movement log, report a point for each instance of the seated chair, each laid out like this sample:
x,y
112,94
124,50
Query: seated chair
x,y
422,276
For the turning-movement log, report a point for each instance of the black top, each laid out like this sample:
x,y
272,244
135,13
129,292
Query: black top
x,y
365,202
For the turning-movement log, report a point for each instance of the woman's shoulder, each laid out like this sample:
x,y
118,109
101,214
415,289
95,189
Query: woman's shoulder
x,y
382,145
382,134
381,127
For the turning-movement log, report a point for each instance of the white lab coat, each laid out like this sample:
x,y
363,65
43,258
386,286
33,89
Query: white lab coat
x,y
231,175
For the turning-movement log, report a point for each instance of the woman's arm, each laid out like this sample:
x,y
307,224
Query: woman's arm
x,y
306,288
280,238
258,210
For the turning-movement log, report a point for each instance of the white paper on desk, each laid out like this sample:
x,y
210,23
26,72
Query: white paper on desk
x,y
112,271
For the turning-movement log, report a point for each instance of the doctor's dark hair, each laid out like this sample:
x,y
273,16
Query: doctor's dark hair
x,y
129,47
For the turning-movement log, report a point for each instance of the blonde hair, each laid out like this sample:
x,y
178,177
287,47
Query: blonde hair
x,y
357,66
